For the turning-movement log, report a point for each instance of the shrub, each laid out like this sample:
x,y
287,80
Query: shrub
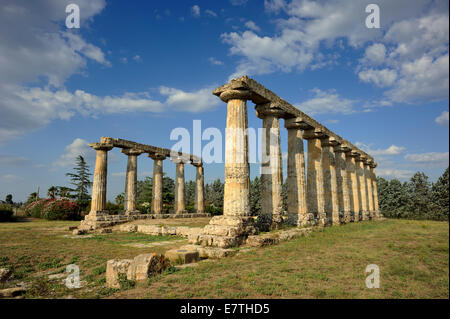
x,y
213,210
62,209
6,212
36,208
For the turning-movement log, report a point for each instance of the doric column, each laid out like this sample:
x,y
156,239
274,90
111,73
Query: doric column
x,y
98,201
362,187
180,206
157,191
271,166
199,188
330,180
131,180
375,190
343,183
354,184
296,175
237,171
368,177
315,185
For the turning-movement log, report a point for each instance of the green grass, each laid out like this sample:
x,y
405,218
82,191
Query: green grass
x,y
413,257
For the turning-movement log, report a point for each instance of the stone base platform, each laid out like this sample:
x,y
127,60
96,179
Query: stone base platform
x,y
225,232
102,219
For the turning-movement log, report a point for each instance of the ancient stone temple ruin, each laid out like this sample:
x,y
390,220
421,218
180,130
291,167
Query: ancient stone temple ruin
x,y
339,185
99,218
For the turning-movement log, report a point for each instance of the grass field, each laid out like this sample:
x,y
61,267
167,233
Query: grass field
x,y
413,257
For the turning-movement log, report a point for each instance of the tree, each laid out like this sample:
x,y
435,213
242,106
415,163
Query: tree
x,y
81,180
418,196
120,199
63,191
8,199
168,190
52,191
31,198
440,198
255,196
144,190
189,191
214,193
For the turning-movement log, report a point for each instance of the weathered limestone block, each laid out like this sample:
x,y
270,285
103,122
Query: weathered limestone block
x,y
114,268
182,256
149,229
12,292
183,230
145,266
128,228
260,241
4,274
209,252
168,230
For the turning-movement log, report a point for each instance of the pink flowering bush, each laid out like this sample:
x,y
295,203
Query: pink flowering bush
x,y
36,208
62,209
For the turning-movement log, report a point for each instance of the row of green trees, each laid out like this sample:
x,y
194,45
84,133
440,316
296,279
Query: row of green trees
x,y
415,199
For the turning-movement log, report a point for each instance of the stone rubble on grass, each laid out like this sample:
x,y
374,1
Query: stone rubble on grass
x,y
12,292
138,269
275,238
182,256
4,274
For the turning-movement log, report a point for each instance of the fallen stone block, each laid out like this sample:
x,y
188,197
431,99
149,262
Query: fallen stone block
x,y
149,230
128,228
4,274
104,231
168,230
11,292
79,231
114,268
147,265
260,241
182,256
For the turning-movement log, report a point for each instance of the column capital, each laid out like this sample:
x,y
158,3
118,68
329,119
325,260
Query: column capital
x,y
342,149
361,158
131,151
314,133
330,141
157,156
354,154
235,89
101,146
297,123
373,164
178,159
269,109
197,164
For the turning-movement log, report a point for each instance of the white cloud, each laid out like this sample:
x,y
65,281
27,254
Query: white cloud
x,y
381,78
394,173
215,61
72,151
375,54
442,119
391,150
252,26
137,58
238,2
211,13
197,101
17,161
408,56
432,157
124,60
195,11
326,102
10,178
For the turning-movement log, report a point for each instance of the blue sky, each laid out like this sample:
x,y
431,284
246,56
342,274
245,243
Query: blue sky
x,y
137,71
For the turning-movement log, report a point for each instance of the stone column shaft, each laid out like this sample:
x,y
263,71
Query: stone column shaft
x,y
271,169
330,182
180,206
131,181
296,177
362,189
343,183
199,190
368,177
98,201
237,170
157,191
375,192
314,188
353,185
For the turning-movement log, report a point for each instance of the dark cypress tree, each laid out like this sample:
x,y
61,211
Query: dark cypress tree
x,y
81,180
439,209
418,196
255,196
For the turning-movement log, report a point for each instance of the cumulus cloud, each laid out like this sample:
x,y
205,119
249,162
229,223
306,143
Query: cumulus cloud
x,y
432,157
391,150
72,151
394,173
197,101
195,11
211,13
238,2
408,57
15,161
442,119
326,102
252,26
214,61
